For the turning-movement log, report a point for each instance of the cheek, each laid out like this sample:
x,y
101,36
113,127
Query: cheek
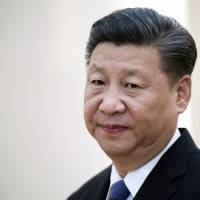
x,y
153,112
91,106
141,106
146,110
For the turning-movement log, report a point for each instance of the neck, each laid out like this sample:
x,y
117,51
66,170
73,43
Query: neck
x,y
124,165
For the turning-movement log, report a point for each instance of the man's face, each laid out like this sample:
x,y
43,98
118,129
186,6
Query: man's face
x,y
129,106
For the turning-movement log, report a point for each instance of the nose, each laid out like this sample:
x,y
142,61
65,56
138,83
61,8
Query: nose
x,y
111,103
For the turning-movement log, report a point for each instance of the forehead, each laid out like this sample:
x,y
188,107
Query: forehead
x,y
130,59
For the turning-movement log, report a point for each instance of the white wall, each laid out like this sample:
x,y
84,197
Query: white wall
x,y
45,150
193,16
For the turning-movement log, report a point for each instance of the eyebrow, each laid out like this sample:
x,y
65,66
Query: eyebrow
x,y
95,68
127,72
133,72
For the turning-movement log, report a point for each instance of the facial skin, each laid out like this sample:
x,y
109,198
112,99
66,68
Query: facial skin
x,y
130,107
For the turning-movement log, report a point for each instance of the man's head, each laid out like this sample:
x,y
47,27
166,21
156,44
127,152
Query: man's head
x,y
145,27
138,82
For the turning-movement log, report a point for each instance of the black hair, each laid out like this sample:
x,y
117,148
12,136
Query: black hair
x,y
146,27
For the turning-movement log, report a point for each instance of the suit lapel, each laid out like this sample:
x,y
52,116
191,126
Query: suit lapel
x,y
159,185
156,187
99,189
102,190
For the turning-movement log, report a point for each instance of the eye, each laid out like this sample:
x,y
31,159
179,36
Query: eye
x,y
97,82
131,85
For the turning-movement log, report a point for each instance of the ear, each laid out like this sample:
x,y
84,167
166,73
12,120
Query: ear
x,y
183,93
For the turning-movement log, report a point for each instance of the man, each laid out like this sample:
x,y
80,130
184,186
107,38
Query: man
x,y
138,82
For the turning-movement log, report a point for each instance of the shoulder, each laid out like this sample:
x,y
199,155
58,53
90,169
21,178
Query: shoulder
x,y
194,163
101,179
191,180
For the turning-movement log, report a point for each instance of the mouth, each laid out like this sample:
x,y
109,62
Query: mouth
x,y
114,128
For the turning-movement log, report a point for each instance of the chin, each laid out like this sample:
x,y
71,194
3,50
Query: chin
x,y
112,151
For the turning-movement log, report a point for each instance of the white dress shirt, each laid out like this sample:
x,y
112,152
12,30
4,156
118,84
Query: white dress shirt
x,y
136,178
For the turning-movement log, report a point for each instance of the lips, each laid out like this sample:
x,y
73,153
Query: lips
x,y
114,128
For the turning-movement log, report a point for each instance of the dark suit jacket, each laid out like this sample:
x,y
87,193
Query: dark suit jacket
x,y
175,177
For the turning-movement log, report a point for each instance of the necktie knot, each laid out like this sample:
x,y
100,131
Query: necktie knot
x,y
119,191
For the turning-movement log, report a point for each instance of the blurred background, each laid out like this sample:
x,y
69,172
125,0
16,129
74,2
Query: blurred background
x,y
45,149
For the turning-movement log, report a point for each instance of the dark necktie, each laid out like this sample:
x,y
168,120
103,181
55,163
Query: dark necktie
x,y
119,191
